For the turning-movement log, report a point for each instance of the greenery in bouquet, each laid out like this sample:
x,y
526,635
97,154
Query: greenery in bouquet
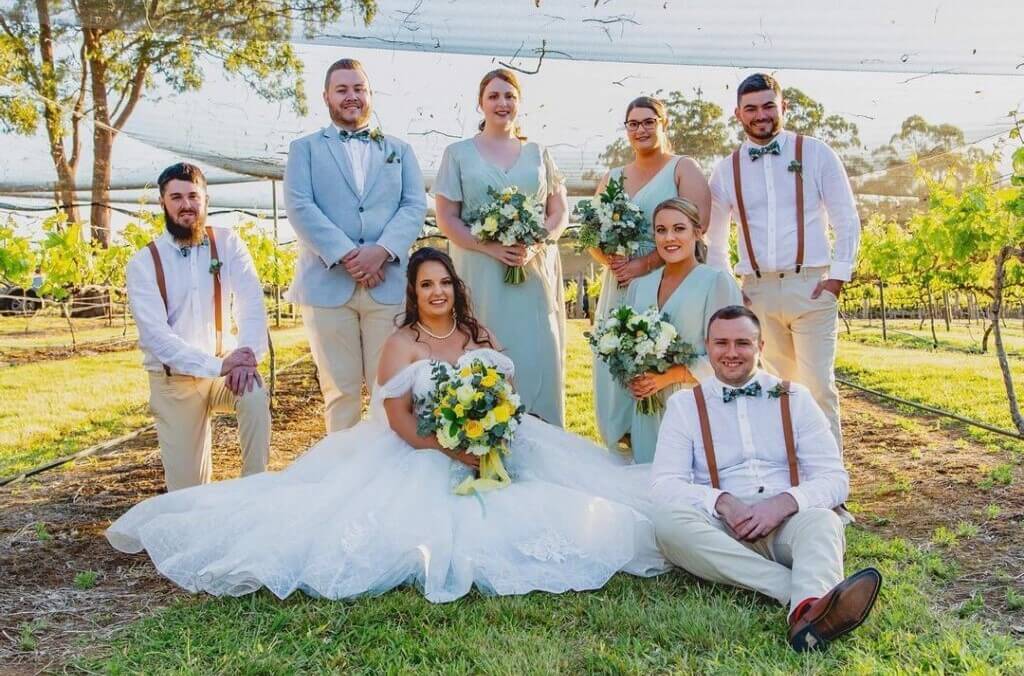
x,y
632,343
473,409
611,222
510,218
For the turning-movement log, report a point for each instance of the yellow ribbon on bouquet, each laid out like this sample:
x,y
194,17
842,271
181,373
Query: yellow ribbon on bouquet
x,y
492,475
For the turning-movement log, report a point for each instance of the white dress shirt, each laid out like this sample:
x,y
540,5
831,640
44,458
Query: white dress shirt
x,y
769,195
750,450
358,153
184,335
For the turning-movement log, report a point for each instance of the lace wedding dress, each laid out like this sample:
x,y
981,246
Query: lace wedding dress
x,y
363,512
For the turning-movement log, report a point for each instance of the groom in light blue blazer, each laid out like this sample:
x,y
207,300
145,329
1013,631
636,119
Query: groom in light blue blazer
x,y
356,200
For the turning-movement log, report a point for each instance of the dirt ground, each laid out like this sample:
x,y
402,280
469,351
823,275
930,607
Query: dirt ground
x,y
19,356
908,480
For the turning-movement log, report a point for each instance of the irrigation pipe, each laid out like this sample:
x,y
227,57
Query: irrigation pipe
x,y
929,409
106,446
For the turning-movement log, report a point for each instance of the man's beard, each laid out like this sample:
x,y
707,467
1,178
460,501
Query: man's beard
x,y
776,128
189,234
337,116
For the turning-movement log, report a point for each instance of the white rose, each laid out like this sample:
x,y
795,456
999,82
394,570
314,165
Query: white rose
x,y
609,343
661,343
514,400
445,439
489,420
645,347
478,450
465,394
508,211
668,330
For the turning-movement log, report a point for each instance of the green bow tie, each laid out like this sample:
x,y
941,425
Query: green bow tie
x,y
361,135
185,250
751,390
756,152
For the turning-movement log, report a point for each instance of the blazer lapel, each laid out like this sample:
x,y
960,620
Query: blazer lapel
x,y
330,135
373,166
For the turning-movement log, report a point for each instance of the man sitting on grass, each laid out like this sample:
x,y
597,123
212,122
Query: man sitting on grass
x,y
179,288
749,485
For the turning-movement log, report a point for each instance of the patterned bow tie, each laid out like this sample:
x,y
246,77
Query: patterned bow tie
x,y
751,390
361,135
188,247
771,148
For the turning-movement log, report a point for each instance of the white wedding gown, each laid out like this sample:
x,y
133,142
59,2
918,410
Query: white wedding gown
x,y
363,512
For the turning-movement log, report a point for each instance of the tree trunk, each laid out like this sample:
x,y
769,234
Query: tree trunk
x,y
881,300
1004,364
984,337
945,309
102,138
931,318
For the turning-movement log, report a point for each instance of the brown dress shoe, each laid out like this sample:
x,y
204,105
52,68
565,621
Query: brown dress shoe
x,y
838,612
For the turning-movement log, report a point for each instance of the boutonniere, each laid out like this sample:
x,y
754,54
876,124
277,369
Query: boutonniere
x,y
778,391
215,266
393,158
796,167
377,136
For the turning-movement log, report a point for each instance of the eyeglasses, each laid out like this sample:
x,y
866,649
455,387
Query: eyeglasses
x,y
649,124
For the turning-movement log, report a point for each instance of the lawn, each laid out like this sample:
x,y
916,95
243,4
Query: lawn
x,y
53,408
668,624
962,337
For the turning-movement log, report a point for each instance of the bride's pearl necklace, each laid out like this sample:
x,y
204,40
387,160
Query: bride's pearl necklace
x,y
430,333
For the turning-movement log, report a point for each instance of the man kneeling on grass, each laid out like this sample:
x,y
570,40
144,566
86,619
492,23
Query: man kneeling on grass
x,y
749,484
179,287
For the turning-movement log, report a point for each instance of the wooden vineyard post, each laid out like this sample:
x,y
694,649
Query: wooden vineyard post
x,y
946,314
881,299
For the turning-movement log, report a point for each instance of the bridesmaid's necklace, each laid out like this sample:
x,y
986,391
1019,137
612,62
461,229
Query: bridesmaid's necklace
x,y
455,325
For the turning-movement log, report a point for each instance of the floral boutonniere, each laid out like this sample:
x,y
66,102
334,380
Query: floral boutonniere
x,y
393,158
778,391
796,167
377,136
215,266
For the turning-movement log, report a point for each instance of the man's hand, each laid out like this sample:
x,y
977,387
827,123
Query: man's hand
x,y
243,356
834,286
734,512
243,379
766,517
366,261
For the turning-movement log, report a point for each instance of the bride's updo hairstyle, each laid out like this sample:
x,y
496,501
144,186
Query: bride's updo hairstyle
x,y
692,214
464,318
508,76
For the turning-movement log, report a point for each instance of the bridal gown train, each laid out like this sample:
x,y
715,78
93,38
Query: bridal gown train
x,y
363,512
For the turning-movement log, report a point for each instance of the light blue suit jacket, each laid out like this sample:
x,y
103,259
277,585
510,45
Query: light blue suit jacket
x,y
331,218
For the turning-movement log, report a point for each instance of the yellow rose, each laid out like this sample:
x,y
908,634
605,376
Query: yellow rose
x,y
502,413
465,372
478,396
489,380
616,216
474,429
437,412
459,410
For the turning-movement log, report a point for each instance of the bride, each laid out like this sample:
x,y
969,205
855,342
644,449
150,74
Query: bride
x,y
372,507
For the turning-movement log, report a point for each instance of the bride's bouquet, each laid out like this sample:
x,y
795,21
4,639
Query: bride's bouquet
x,y
632,343
510,218
472,408
611,222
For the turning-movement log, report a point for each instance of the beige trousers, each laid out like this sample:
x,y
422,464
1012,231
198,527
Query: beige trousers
x,y
346,343
182,406
800,559
799,333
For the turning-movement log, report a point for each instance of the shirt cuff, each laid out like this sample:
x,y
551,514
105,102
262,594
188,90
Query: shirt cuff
x,y
391,254
710,500
212,366
840,271
798,495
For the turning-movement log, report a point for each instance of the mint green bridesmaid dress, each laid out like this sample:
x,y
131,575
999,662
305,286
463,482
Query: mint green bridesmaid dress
x,y
703,292
528,318
612,403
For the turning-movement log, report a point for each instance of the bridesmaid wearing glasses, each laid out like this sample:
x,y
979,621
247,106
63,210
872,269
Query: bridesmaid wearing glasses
x,y
528,318
654,175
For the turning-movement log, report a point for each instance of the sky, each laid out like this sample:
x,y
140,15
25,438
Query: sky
x,y
574,107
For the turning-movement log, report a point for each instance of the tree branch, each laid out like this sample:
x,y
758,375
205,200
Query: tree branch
x,y
136,93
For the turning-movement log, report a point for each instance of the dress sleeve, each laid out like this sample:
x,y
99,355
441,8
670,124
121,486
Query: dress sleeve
x,y
500,361
553,176
400,383
448,182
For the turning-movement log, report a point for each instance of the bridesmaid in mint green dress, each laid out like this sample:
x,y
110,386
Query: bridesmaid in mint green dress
x,y
528,318
689,292
654,176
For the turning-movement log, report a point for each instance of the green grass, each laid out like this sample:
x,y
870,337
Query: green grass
x,y
966,384
961,337
54,408
672,623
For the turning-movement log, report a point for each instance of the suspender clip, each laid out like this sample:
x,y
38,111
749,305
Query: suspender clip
x,y
757,273
798,268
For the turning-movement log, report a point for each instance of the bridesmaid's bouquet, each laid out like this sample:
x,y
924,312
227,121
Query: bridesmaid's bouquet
x,y
510,218
632,343
472,408
611,222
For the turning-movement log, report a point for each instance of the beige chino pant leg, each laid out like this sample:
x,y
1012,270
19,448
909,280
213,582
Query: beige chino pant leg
x,y
346,343
802,558
253,412
180,405
800,334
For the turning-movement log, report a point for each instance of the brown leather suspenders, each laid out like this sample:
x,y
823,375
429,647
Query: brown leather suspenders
x,y
161,283
737,183
709,445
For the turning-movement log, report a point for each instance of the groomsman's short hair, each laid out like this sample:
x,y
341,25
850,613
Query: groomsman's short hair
x,y
182,171
344,64
735,312
758,82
